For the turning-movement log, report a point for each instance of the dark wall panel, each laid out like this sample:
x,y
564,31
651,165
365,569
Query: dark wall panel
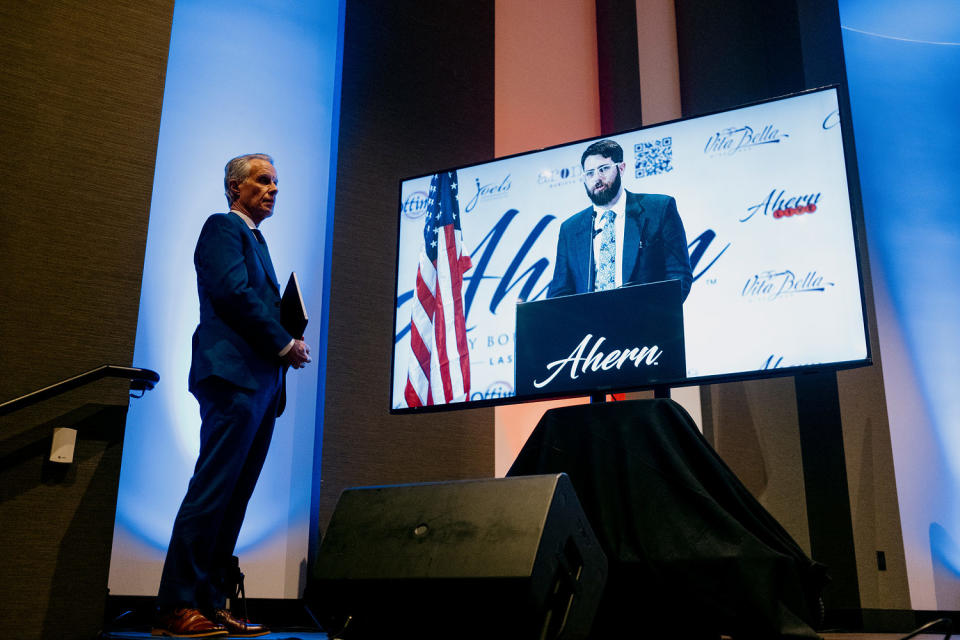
x,y
732,53
80,99
618,66
81,88
417,96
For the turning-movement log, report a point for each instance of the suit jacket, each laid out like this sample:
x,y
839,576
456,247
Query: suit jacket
x,y
240,334
654,247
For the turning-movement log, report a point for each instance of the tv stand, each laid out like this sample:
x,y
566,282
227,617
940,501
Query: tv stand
x,y
660,391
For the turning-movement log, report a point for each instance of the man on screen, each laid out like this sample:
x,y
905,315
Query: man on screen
x,y
240,355
623,238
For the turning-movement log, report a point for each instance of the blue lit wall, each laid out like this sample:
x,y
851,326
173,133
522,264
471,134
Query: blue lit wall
x,y
903,67
242,77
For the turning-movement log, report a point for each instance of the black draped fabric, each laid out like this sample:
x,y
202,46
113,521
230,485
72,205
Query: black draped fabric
x,y
691,551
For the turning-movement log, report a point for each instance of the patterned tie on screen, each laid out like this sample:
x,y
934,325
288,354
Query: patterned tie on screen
x,y
607,257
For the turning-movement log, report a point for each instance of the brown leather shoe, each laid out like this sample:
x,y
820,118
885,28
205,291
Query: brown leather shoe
x,y
186,623
238,627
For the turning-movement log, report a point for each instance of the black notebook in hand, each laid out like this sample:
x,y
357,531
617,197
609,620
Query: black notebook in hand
x,y
293,313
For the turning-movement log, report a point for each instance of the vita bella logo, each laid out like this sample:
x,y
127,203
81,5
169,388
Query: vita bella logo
x,y
731,140
596,360
770,285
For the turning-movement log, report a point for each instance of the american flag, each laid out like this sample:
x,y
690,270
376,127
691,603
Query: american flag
x,y
439,367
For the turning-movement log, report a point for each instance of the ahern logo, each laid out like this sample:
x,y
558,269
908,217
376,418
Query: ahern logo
x,y
596,359
780,205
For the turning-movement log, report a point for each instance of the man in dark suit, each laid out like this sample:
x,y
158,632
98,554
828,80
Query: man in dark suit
x,y
240,355
624,238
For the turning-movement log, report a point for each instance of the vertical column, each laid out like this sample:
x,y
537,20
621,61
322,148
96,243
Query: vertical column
x,y
618,66
825,481
546,93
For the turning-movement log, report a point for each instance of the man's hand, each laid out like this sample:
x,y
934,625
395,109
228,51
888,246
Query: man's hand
x,y
299,355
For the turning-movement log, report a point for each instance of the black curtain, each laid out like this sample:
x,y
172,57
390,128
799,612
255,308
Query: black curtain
x,y
690,549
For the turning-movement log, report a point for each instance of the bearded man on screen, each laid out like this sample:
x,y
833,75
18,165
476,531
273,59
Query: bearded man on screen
x,y
622,238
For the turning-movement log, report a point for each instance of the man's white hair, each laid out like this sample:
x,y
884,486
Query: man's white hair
x,y
239,169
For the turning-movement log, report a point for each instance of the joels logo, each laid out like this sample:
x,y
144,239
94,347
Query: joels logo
x,y
780,205
488,191
415,205
731,140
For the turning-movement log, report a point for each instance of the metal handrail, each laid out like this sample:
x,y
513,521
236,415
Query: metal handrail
x,y
140,380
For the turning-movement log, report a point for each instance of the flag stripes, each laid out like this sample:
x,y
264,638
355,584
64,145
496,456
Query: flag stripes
x,y
438,371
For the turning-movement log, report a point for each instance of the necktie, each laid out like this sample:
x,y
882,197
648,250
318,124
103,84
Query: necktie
x,y
265,256
605,277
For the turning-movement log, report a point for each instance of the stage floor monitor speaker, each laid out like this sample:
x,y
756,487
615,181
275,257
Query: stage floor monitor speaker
x,y
503,558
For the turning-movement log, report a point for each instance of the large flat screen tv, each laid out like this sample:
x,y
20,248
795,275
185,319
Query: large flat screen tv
x,y
763,206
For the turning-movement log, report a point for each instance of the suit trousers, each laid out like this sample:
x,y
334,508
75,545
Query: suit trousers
x,y
235,433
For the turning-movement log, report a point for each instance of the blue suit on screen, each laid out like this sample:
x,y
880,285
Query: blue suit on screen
x,y
654,247
237,377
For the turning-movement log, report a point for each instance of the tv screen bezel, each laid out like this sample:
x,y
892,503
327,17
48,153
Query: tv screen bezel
x,y
856,220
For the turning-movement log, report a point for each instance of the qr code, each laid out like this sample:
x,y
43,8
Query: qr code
x,y
654,157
